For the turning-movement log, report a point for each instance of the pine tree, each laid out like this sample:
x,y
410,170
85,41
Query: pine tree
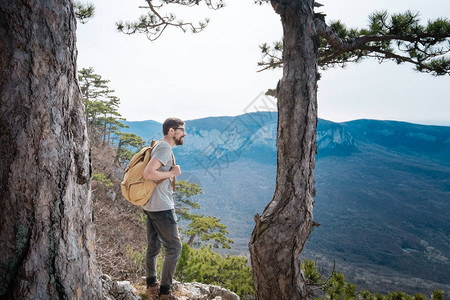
x,y
309,42
206,266
201,228
276,269
336,287
102,107
397,37
185,190
83,11
127,140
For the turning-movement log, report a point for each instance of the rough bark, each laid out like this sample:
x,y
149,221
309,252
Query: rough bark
x,y
47,234
119,148
191,240
286,223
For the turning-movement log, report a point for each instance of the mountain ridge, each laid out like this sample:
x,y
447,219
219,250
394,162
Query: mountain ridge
x,y
383,188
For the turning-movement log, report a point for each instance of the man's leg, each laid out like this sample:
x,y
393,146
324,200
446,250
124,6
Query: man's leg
x,y
166,225
153,249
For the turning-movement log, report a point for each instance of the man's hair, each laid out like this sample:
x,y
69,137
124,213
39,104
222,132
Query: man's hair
x,y
171,123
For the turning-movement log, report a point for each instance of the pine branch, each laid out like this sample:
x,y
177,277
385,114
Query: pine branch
x,y
210,4
398,37
84,11
348,45
271,56
418,49
154,23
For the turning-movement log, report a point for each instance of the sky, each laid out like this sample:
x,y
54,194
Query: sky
x,y
214,73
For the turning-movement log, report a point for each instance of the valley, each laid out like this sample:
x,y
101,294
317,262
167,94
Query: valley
x,y
383,193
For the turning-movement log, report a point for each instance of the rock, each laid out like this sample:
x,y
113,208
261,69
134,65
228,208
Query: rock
x,y
200,291
118,290
111,195
123,290
117,172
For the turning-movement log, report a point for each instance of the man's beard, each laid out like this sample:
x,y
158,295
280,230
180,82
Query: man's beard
x,y
179,141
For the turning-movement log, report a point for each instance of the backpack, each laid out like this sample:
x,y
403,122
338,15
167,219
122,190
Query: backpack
x,y
134,187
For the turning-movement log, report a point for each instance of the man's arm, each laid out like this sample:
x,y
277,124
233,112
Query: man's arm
x,y
151,170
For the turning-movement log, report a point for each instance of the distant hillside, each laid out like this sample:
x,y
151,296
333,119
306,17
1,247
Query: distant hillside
x,y
383,192
147,130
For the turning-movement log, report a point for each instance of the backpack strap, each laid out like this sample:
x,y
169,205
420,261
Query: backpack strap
x,y
159,181
154,143
173,180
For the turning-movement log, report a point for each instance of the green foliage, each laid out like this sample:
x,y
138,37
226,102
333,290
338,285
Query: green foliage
x,y
201,228
130,139
102,114
397,37
182,271
142,217
100,177
206,266
127,140
101,106
84,11
138,257
208,228
437,295
335,287
182,197
154,23
126,153
338,288
312,275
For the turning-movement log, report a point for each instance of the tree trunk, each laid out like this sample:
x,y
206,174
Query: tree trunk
x,y
104,131
47,235
109,133
191,240
119,148
281,232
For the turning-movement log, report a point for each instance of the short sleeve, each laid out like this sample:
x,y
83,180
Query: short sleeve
x,y
162,152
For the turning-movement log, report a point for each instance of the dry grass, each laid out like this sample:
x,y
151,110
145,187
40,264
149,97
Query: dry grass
x,y
117,221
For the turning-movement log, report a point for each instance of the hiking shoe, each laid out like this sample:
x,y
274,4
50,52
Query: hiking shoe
x,y
152,291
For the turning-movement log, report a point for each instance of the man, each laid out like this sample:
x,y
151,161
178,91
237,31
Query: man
x,y
161,219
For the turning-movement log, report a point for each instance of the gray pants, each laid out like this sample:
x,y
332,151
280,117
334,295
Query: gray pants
x,y
162,228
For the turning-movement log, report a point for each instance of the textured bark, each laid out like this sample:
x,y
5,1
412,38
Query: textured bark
x,y
47,234
191,240
282,230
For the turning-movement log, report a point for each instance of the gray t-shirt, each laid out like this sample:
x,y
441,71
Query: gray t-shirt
x,y
161,198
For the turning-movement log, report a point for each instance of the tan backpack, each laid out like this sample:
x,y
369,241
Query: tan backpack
x,y
135,188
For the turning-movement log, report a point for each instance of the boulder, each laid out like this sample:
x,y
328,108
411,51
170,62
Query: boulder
x,y
123,290
118,290
200,291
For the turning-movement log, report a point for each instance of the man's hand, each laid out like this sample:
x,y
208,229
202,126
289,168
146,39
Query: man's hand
x,y
175,170
151,171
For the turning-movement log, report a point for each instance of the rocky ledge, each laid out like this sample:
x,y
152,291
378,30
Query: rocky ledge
x,y
123,290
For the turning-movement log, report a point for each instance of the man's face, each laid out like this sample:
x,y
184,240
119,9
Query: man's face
x,y
179,134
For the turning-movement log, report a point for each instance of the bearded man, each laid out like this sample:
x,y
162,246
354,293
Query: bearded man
x,y
162,225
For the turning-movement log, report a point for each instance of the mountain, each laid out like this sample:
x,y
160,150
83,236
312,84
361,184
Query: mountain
x,y
383,192
147,130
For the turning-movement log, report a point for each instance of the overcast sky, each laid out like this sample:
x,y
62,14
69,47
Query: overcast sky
x,y
214,73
